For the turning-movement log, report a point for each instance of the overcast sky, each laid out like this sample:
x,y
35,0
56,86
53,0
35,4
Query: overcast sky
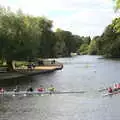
x,y
82,17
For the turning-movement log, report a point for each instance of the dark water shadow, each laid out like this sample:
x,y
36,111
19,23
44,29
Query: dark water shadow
x,y
23,82
10,83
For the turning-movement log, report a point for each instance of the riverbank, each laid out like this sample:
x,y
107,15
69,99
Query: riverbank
x,y
22,72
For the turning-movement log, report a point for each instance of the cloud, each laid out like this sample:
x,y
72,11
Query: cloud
x,y
83,17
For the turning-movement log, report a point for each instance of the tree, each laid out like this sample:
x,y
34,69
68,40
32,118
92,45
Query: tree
x,y
16,37
110,42
66,42
95,45
69,43
116,25
117,3
47,39
60,44
24,37
77,43
92,50
84,49
86,40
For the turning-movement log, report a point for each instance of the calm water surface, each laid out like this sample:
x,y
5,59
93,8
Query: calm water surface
x,y
81,73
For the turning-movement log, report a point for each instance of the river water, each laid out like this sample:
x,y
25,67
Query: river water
x,y
80,73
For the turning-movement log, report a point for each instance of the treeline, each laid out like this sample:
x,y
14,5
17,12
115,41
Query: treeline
x,y
24,37
108,44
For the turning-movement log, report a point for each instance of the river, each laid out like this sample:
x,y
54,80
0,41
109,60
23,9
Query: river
x,y
80,73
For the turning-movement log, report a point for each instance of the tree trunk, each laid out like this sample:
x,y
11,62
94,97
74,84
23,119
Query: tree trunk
x,y
10,65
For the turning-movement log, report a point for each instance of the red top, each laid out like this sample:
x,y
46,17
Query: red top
x,y
110,90
119,86
1,90
40,89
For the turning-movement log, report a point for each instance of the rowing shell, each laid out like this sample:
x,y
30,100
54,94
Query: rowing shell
x,y
113,93
39,93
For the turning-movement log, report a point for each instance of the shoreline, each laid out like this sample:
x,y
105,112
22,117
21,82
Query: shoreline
x,y
18,73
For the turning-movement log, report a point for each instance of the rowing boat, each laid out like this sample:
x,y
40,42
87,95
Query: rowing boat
x,y
113,93
39,93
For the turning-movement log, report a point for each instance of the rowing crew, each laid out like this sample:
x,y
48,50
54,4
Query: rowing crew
x,y
41,89
51,89
116,87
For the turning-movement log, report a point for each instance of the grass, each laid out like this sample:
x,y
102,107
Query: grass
x,y
21,63
3,63
17,63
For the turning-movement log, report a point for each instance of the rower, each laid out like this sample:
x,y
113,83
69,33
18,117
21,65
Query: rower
x,y
1,90
30,89
41,89
51,89
119,86
17,89
110,90
115,87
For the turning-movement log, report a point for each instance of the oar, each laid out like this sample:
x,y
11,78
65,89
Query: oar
x,y
67,92
47,92
101,90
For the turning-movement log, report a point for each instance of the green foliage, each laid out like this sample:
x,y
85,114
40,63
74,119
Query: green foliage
x,y
84,49
77,42
94,47
92,50
84,44
108,43
117,4
108,39
24,37
116,25
21,63
47,39
86,40
17,36
66,42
